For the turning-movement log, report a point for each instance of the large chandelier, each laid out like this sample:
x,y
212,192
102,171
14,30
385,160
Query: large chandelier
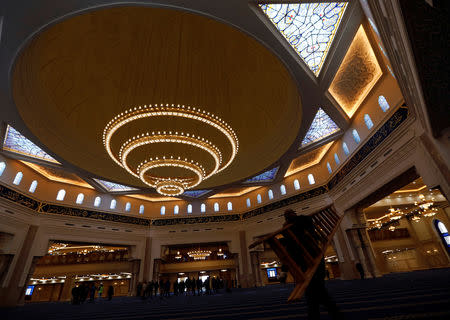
x,y
195,171
426,206
199,254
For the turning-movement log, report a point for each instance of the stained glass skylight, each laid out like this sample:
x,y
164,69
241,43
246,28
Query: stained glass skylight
x,y
18,143
195,193
112,186
268,175
321,127
308,27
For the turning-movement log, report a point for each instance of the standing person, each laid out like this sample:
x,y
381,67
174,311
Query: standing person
x,y
156,286
144,290
161,288
139,289
110,292
199,284
167,288
100,290
360,269
75,295
316,292
92,293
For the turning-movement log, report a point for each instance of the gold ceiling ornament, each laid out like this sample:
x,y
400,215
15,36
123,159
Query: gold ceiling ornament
x,y
196,172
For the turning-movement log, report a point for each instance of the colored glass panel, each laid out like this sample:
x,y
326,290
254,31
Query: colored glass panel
x,y
321,127
269,175
309,28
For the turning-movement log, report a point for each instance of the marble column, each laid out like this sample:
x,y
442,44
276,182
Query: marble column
x,y
66,293
256,267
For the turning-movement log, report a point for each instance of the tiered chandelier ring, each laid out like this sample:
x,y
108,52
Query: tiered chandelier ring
x,y
167,185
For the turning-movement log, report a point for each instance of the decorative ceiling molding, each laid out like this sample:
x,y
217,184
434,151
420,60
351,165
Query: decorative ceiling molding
x,y
309,28
58,175
196,193
266,176
234,192
17,143
112,186
357,74
152,199
322,126
307,160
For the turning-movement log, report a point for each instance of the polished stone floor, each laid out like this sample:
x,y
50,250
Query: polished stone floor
x,y
413,295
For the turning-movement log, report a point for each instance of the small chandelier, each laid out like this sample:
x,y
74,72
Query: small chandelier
x,y
426,206
395,214
178,256
391,228
220,253
199,254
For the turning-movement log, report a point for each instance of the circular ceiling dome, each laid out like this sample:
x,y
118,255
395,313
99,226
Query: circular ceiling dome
x,y
74,78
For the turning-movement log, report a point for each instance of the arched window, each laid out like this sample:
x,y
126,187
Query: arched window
x,y
113,204
61,194
311,179
189,208
80,198
443,233
216,207
346,151
270,193
18,178
248,203
33,186
296,184
2,167
127,207
141,209
176,209
97,201
382,102
336,159
356,136
368,121
329,168
259,198
163,210
229,206
283,189
203,207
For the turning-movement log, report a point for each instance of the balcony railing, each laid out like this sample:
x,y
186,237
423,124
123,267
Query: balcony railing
x,y
76,258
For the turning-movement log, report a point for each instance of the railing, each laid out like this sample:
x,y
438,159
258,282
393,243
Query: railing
x,y
76,258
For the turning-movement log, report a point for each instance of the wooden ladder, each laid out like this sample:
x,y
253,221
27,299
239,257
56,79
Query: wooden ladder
x,y
303,254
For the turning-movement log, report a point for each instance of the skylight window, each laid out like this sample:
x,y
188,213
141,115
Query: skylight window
x,y
329,168
368,121
113,204
321,127
176,209
80,198
382,102
33,186
18,178
2,167
17,143
356,136
296,184
270,193
189,208
268,175
311,179
97,201
127,207
112,186
309,28
61,194
283,189
229,206
345,148
141,209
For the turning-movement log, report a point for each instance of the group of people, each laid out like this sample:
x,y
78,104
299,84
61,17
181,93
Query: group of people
x,y
81,292
189,286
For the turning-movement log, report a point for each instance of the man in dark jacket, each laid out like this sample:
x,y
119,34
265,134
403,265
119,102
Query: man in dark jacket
x,y
316,292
